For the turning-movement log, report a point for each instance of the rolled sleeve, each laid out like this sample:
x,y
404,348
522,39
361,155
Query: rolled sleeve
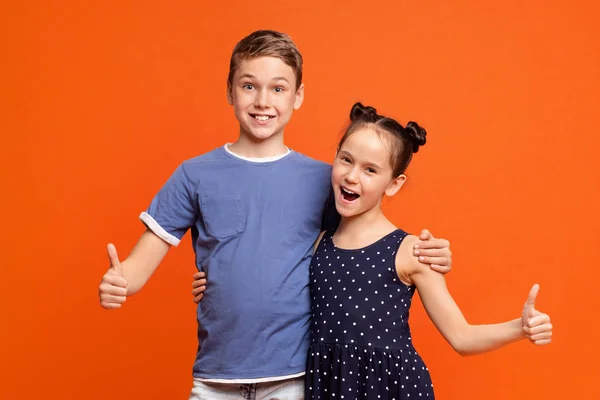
x,y
173,210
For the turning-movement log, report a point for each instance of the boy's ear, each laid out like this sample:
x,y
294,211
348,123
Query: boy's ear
x,y
229,96
299,97
395,185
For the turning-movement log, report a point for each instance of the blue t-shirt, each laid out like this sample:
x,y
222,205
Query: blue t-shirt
x,y
253,229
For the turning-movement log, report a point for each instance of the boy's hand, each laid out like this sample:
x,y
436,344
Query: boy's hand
x,y
113,288
435,252
199,286
536,325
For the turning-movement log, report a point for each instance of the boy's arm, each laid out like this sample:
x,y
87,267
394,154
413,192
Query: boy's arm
x,y
143,260
126,278
171,213
465,338
435,252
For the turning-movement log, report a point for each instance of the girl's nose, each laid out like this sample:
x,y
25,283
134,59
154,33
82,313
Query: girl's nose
x,y
351,176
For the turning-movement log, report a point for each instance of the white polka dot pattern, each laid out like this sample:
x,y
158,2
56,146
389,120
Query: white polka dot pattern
x,y
361,346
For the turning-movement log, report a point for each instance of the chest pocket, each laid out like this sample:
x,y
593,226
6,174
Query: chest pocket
x,y
223,215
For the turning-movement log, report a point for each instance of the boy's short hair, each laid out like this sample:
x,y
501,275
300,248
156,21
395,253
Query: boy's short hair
x,y
266,43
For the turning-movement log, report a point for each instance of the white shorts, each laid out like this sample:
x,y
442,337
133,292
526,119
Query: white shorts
x,y
288,389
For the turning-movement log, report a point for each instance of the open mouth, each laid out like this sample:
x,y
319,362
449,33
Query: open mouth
x,y
262,118
349,195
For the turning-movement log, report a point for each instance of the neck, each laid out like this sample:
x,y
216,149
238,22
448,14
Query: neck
x,y
251,147
369,223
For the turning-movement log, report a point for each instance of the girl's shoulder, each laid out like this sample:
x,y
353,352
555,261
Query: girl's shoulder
x,y
318,240
408,242
406,262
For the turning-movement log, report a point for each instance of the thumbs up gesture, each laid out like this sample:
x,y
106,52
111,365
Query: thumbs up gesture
x,y
113,288
536,325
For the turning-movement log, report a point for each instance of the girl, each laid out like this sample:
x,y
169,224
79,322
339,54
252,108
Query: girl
x,y
364,275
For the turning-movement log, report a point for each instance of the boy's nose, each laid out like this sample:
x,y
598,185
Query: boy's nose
x,y
262,99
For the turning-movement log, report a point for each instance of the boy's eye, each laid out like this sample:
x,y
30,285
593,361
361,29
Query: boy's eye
x,y
248,86
279,89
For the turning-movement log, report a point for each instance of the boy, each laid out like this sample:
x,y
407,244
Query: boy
x,y
255,209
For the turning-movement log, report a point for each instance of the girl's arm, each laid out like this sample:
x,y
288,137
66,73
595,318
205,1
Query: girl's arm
x,y
465,338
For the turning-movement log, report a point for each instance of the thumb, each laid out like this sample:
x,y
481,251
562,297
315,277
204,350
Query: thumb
x,y
530,303
425,235
113,257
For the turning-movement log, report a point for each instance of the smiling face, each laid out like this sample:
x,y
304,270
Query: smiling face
x,y
362,172
264,95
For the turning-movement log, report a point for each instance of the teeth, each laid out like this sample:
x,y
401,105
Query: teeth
x,y
348,191
262,117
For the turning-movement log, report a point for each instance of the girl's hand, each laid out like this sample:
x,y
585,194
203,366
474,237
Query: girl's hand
x,y
199,286
536,325
435,252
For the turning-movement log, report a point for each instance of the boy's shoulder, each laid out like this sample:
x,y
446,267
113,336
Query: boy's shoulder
x,y
302,158
208,157
218,158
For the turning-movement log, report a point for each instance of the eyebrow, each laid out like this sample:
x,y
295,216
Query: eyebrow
x,y
247,76
280,78
369,163
277,78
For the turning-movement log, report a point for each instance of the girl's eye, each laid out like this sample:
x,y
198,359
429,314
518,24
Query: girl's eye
x,y
345,159
371,170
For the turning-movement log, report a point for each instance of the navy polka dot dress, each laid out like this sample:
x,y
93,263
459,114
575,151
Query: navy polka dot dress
x,y
361,345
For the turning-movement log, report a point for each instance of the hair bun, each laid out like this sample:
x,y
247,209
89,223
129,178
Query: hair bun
x,y
363,113
416,134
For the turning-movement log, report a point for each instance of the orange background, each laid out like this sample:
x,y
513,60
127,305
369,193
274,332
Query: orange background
x,y
102,101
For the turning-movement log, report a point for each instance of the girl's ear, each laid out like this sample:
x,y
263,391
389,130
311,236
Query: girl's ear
x,y
395,185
